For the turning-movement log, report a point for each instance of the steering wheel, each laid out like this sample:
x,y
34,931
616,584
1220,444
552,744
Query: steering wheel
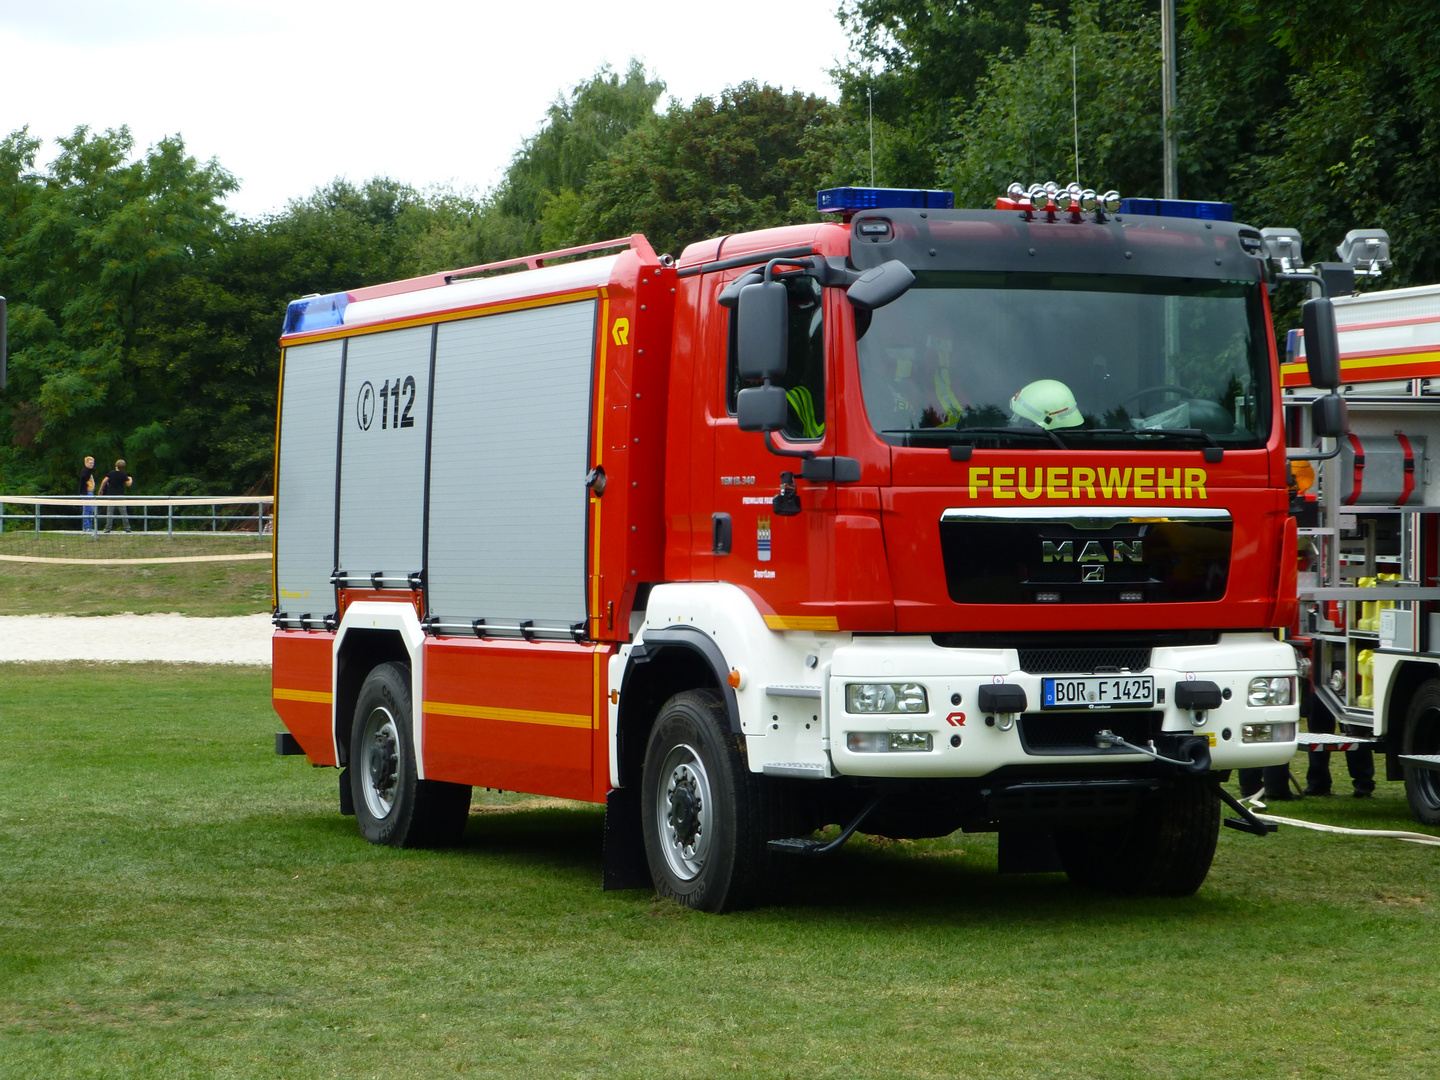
x,y
1161,388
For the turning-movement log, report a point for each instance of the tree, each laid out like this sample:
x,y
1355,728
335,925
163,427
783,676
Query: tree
x,y
91,244
537,203
749,160
920,60
1020,124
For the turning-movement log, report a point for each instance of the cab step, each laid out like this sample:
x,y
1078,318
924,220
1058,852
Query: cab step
x,y
1421,761
1326,743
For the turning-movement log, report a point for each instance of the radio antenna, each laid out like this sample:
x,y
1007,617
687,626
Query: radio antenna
x,y
870,97
1075,111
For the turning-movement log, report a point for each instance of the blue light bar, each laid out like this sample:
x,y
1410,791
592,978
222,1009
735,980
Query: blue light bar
x,y
848,200
1204,211
315,313
1292,346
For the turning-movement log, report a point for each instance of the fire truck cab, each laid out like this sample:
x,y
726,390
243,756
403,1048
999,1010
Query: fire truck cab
x,y
912,520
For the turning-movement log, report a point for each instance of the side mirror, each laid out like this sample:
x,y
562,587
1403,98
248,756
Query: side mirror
x,y
763,337
1330,417
761,408
880,285
1322,343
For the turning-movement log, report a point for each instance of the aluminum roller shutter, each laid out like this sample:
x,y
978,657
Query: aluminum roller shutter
x,y
509,452
382,454
305,511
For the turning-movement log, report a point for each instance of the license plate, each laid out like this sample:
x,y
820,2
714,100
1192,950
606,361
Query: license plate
x,y
1099,692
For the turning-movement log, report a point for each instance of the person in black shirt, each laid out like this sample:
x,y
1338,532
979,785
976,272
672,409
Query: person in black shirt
x,y
86,489
112,487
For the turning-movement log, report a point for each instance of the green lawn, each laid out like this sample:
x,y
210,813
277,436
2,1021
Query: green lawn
x,y
207,588
176,901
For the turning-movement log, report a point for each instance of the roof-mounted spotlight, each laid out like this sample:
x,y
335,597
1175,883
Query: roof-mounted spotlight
x,y
1368,250
1110,202
1015,191
1072,197
1089,201
1282,246
1038,197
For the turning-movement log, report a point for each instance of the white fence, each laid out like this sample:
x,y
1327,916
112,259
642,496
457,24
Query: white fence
x,y
147,514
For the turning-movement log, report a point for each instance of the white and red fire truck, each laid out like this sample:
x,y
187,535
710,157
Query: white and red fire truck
x,y
1370,516
914,520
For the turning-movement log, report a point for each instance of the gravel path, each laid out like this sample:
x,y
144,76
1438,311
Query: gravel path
x,y
130,638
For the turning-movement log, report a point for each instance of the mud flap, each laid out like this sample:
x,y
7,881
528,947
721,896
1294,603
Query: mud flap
x,y
347,797
624,860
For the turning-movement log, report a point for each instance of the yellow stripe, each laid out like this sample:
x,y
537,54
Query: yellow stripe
x,y
474,312
320,697
1360,363
802,622
509,716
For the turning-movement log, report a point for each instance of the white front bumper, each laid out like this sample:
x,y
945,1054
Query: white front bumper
x,y
1231,664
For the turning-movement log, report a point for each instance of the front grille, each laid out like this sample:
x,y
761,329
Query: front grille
x,y
1083,661
1074,733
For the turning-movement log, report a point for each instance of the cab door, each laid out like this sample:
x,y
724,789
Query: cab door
x,y
784,561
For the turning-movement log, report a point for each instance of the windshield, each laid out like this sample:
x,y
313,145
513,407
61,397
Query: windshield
x,y
1040,360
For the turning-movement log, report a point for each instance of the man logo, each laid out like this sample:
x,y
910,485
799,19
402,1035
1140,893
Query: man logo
x,y
1093,552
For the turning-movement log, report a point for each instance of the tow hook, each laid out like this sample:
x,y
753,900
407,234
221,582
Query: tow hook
x,y
1197,760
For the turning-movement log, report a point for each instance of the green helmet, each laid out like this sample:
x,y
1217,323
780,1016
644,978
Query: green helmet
x,y
1046,403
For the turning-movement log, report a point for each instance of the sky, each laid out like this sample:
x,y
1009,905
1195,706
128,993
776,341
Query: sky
x,y
289,95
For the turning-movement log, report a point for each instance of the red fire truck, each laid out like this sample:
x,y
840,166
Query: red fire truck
x,y
914,520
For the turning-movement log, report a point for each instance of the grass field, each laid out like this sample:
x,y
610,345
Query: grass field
x,y
178,902
234,588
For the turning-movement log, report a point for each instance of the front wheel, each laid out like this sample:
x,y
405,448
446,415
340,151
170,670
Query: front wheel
x,y
392,806
1422,736
702,811
1166,850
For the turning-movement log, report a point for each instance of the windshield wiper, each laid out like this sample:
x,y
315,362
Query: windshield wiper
x,y
1213,450
1043,433
1033,433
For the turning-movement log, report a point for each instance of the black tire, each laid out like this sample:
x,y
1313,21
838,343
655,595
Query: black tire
x,y
704,814
392,807
1166,850
1422,736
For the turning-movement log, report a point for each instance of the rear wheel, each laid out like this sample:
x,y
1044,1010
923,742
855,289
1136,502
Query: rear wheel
x,y
392,806
1166,850
703,811
1422,736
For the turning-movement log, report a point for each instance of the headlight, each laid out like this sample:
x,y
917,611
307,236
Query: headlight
x,y
1263,733
1271,690
885,698
888,742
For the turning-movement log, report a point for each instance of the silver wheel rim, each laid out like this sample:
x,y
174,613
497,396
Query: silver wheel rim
x,y
380,764
684,812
